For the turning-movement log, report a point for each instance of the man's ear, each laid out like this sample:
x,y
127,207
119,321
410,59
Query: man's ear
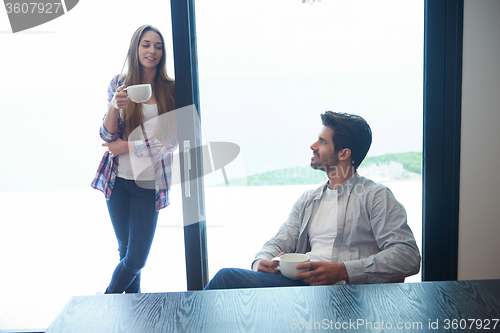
x,y
344,154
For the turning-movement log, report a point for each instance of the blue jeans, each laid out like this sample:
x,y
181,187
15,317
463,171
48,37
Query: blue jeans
x,y
232,278
134,216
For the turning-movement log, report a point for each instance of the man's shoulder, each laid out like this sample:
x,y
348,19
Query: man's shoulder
x,y
370,186
369,192
369,182
312,194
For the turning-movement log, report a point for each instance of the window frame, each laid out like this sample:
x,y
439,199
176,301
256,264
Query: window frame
x,y
443,40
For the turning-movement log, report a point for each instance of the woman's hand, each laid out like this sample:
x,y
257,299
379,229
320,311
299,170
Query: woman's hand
x,y
117,147
120,99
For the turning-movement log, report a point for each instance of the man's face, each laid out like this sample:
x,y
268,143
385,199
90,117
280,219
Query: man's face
x,y
324,156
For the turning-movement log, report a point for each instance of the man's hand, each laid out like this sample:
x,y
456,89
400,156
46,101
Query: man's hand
x,y
268,265
323,273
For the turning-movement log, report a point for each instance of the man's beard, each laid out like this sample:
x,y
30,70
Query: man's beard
x,y
329,165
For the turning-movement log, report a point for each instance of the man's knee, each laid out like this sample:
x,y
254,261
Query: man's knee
x,y
223,279
224,273
220,279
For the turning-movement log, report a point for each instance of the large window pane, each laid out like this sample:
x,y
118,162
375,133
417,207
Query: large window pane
x,y
268,69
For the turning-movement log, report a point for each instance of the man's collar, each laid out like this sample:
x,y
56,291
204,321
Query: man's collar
x,y
346,186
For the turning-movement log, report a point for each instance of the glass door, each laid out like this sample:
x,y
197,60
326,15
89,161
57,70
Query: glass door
x,y
267,69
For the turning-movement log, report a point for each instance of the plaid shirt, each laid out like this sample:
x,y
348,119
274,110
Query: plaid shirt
x,y
162,155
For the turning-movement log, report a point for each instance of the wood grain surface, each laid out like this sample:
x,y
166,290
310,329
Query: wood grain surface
x,y
335,308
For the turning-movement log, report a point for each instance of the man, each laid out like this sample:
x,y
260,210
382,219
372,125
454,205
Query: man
x,y
353,229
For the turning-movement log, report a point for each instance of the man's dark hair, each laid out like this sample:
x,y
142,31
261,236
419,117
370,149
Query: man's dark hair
x,y
349,131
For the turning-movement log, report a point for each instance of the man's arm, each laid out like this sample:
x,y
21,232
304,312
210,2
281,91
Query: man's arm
x,y
286,240
399,255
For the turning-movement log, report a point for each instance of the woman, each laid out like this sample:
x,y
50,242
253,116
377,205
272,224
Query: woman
x,y
135,172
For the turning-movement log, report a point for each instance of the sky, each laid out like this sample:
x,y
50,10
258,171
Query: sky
x,y
267,70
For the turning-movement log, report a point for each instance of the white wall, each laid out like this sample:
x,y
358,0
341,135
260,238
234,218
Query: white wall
x,y
479,229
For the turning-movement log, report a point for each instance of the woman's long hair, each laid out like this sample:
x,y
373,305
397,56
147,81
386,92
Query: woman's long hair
x,y
164,90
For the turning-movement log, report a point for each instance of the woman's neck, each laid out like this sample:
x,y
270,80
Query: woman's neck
x,y
148,76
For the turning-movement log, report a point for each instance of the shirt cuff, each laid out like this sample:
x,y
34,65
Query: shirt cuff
x,y
355,271
141,148
255,264
106,135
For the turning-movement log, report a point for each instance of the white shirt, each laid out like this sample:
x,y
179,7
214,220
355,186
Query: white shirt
x,y
322,229
135,168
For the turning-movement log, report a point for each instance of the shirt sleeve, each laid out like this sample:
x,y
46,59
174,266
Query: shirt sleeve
x,y
104,133
287,236
143,148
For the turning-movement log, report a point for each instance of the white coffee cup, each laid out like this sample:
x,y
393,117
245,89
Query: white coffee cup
x,y
139,93
288,264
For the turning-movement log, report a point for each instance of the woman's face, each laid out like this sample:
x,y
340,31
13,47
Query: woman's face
x,y
150,49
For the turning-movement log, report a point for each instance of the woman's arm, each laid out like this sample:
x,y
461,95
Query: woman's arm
x,y
111,119
119,146
112,127
154,147
119,101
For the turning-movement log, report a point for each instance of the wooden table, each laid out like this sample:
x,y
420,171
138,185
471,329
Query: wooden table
x,y
402,307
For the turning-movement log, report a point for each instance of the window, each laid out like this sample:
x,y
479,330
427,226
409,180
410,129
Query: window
x,y
263,87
